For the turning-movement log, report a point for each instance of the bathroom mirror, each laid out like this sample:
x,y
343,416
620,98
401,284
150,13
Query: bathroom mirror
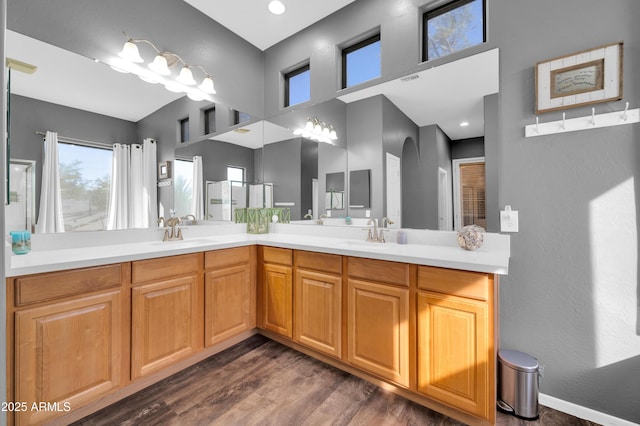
x,y
335,194
360,189
298,166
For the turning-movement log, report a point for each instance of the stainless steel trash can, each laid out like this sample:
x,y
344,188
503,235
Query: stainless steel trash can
x,y
518,384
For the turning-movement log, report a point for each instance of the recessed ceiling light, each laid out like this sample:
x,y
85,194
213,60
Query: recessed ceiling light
x,y
464,124
276,7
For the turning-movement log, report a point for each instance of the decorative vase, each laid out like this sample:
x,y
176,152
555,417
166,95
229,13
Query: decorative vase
x,y
471,237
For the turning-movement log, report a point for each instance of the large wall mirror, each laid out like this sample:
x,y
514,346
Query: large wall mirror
x,y
406,132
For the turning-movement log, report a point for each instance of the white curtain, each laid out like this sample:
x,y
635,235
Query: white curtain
x,y
197,197
118,215
149,182
137,201
50,216
133,201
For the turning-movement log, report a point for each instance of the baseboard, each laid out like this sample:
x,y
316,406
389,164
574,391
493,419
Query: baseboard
x,y
582,412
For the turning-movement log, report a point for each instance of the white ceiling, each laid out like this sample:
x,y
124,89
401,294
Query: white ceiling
x,y
251,20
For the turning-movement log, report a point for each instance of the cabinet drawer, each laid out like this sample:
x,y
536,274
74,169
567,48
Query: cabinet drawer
x,y
163,267
56,285
330,263
473,285
379,270
277,255
220,258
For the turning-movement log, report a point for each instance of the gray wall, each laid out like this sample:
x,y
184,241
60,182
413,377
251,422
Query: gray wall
x,y
467,148
282,167
31,115
364,141
571,298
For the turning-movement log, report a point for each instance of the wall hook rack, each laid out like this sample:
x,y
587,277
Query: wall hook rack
x,y
593,121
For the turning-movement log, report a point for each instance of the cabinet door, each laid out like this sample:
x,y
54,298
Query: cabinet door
x,y
164,324
277,300
318,311
453,352
378,329
228,308
67,353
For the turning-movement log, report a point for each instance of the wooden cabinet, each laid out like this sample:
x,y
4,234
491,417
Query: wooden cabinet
x,y
318,302
164,312
67,352
378,318
277,290
456,356
229,293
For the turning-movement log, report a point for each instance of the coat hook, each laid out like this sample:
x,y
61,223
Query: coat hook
x,y
563,128
624,115
593,116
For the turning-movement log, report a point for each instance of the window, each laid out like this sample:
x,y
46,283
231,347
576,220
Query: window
x,y
184,130
85,179
453,27
182,187
236,175
469,192
210,120
297,86
240,117
361,62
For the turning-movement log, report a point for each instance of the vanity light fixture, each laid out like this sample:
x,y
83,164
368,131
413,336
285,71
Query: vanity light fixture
x,y
159,71
276,7
316,130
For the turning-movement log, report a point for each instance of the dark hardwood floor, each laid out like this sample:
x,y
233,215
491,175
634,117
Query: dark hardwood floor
x,y
261,382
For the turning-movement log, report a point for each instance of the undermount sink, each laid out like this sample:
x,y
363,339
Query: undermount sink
x,y
366,245
187,243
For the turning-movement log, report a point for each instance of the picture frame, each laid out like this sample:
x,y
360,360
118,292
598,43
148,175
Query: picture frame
x,y
582,78
164,170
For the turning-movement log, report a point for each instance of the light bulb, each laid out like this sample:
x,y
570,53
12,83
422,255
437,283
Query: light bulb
x,y
159,65
186,76
130,53
207,86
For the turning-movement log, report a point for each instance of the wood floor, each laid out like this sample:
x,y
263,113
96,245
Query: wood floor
x,y
261,382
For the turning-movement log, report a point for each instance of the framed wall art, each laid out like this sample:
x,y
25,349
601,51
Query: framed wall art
x,y
582,78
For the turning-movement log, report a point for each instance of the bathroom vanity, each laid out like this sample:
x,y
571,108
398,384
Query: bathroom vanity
x,y
98,327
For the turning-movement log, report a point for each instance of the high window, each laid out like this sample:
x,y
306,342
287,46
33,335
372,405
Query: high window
x,y
182,187
184,129
453,27
85,178
210,120
297,86
240,117
361,62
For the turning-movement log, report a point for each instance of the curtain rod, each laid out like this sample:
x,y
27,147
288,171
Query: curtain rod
x,y
83,142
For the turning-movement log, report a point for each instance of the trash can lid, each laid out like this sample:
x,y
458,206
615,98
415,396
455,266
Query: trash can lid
x,y
518,360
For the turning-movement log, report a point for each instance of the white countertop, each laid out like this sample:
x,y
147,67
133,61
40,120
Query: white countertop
x,y
436,248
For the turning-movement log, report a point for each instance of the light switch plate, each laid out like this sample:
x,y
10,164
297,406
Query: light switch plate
x,y
509,221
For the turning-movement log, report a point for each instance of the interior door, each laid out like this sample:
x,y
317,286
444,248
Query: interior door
x,y
394,190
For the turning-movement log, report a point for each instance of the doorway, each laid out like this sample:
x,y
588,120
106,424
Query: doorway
x,y
469,192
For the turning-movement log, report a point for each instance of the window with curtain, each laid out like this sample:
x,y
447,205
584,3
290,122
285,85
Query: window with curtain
x,y
472,186
85,177
182,186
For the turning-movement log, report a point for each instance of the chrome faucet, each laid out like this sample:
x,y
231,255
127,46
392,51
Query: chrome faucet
x,y
372,237
161,219
386,221
320,221
308,216
171,235
192,217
